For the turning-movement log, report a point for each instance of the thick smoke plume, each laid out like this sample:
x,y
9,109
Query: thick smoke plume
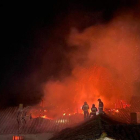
x,y
105,61
79,51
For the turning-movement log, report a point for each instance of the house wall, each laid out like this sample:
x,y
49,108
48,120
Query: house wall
x,y
44,136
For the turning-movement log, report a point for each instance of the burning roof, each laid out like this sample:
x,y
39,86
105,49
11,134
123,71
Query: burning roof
x,y
9,124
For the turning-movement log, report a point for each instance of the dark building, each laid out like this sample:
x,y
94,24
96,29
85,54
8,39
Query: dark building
x,y
95,128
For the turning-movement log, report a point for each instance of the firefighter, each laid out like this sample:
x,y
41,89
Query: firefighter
x,y
85,108
101,105
93,111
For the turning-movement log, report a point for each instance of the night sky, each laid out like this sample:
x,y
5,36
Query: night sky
x,y
25,28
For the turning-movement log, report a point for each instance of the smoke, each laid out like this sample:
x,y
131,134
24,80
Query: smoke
x,y
84,51
105,62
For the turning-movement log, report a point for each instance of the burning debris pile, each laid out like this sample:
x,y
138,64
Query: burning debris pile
x,y
94,128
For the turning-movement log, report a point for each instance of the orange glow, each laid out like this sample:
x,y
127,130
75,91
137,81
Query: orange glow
x,y
36,113
45,117
121,104
18,138
104,64
91,84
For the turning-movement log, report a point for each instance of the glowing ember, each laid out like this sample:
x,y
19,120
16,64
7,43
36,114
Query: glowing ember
x,y
43,116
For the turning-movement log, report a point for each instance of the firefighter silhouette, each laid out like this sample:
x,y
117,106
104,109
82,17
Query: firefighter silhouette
x,y
85,108
93,111
101,105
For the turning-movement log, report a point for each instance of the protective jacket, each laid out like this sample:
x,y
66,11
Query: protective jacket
x,y
85,107
93,109
101,105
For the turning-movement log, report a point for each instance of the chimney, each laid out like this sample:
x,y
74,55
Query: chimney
x,y
133,117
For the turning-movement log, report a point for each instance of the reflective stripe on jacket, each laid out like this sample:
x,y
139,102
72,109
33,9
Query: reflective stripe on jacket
x,y
94,109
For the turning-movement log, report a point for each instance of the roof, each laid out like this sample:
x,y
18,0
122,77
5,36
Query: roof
x,y
123,115
93,128
9,124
